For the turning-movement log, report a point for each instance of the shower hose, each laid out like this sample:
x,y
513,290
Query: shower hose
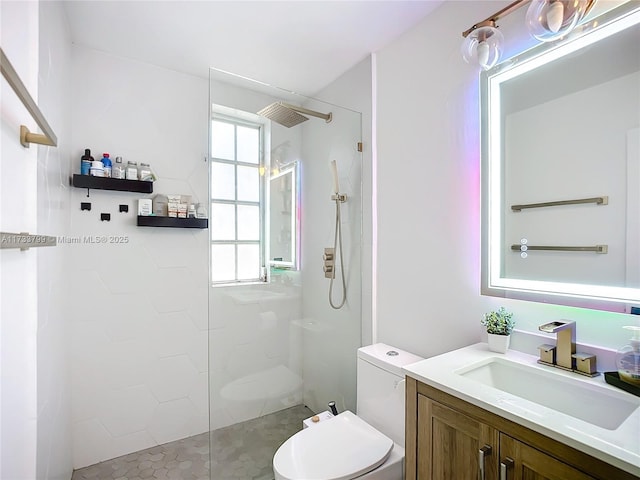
x,y
337,241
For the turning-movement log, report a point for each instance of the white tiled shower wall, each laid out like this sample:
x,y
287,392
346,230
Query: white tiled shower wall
x,y
331,336
139,301
139,327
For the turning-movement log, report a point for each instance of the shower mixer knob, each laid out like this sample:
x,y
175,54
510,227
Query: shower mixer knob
x,y
327,256
327,269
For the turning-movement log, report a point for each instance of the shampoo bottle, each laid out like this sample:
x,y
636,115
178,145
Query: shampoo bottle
x,y
85,162
628,359
106,162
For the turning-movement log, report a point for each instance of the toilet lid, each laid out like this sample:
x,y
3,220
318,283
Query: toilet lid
x,y
341,448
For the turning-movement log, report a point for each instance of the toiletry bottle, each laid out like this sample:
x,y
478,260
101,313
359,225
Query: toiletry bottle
x,y
106,161
628,359
144,172
118,170
201,212
132,170
85,162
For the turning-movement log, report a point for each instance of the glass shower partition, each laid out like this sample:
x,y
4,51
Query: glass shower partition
x,y
278,352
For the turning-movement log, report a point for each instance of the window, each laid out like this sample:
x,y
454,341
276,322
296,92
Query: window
x,y
237,207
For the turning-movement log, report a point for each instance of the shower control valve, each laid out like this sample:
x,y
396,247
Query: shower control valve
x,y
329,262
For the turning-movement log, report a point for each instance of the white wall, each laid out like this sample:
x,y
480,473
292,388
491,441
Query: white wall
x,y
333,336
428,280
35,405
139,307
354,90
54,396
19,274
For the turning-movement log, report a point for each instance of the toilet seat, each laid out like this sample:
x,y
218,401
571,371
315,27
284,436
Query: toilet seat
x,y
342,448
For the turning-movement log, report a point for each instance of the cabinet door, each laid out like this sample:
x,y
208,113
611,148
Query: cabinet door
x,y
519,461
449,444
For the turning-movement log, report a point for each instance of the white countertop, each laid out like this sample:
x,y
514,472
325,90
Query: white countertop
x,y
619,447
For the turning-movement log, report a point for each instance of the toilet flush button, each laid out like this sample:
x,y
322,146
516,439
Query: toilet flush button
x,y
317,419
392,353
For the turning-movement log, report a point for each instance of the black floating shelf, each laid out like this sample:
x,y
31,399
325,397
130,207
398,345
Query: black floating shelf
x,y
105,183
152,221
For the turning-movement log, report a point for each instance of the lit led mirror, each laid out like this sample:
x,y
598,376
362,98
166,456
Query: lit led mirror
x,y
561,168
283,216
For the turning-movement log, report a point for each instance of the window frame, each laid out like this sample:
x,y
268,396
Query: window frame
x,y
238,118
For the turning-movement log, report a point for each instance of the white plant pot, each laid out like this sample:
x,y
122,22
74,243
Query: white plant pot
x,y
499,343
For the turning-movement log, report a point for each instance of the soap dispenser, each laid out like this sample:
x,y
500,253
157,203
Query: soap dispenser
x,y
628,358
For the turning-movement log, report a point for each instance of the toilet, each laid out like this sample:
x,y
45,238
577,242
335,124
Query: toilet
x,y
369,445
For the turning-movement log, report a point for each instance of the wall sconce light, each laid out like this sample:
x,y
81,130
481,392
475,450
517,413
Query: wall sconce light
x,y
483,45
546,20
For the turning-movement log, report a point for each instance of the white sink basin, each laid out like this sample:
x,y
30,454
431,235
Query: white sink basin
x,y
595,405
584,413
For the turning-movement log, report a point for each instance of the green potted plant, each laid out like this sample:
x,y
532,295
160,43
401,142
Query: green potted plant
x,y
499,325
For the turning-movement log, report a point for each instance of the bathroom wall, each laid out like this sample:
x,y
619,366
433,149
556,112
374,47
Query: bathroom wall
x,y
428,194
138,338
54,213
35,406
19,272
331,337
354,90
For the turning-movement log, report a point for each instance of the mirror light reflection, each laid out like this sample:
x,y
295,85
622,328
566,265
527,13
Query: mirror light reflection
x,y
283,213
561,123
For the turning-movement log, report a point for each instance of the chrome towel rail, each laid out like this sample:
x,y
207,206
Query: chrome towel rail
x,y
604,200
24,241
26,137
595,248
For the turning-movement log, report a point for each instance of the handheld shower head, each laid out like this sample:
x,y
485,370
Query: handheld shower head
x,y
290,115
334,172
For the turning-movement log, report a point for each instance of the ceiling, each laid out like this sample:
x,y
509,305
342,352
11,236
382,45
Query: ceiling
x,y
298,45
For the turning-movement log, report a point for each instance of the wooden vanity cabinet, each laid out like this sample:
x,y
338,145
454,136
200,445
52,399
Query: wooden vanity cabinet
x,y
532,464
444,437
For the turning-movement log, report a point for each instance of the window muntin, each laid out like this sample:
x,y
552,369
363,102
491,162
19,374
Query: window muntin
x,y
237,206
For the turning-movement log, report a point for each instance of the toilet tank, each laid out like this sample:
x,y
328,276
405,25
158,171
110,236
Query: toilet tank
x,y
381,388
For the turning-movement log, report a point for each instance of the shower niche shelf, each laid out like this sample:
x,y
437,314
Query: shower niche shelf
x,y
152,221
105,183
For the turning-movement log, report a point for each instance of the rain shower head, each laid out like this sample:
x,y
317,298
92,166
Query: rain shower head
x,y
290,115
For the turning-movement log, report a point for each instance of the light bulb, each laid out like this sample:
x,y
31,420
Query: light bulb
x,y
549,20
483,46
482,54
555,16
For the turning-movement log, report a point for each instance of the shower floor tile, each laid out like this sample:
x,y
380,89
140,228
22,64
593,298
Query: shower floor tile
x,y
245,450
239,452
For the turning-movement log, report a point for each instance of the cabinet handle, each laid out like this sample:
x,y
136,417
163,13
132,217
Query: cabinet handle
x,y
483,452
505,465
